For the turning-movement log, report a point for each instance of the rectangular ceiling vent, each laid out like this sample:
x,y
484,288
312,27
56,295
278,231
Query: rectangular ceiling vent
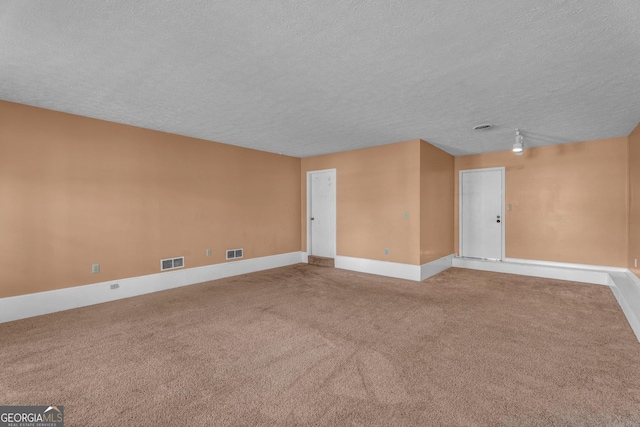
x,y
235,253
171,263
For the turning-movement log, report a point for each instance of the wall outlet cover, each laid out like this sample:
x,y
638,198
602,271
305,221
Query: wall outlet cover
x,y
95,268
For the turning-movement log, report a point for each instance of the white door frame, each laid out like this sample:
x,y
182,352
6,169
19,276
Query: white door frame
x,y
502,199
308,215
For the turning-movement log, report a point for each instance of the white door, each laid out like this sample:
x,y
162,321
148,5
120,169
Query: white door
x,y
321,209
481,213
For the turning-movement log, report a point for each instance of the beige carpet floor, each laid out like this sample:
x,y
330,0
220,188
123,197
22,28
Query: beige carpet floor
x,y
307,345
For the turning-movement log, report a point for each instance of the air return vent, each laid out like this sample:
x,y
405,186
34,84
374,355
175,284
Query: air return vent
x,y
235,253
171,263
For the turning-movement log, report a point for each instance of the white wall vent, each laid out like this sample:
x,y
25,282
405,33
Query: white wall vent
x,y
171,263
235,253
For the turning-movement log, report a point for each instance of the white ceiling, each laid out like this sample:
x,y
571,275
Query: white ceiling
x,y
304,78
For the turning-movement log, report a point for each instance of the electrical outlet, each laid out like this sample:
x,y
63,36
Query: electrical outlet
x,y
114,286
208,252
386,251
406,214
635,263
95,268
509,207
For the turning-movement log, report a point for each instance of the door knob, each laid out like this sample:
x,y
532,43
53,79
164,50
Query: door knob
x,y
498,221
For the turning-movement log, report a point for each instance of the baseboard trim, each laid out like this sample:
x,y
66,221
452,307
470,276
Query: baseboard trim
x,y
624,285
626,288
437,266
548,270
394,269
381,268
566,265
23,306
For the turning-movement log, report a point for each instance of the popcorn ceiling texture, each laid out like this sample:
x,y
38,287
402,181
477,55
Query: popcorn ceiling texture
x,y
319,77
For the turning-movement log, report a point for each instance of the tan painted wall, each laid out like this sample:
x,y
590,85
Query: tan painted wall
x,y
375,187
634,198
569,201
77,191
436,203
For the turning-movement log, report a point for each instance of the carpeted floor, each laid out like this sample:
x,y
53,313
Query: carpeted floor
x,y
320,346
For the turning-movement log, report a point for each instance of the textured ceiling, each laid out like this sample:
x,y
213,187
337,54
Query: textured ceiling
x,y
307,78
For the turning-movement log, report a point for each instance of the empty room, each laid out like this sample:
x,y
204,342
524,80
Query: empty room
x,y
333,213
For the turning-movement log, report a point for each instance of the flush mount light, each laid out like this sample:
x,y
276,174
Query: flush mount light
x,y
482,126
518,146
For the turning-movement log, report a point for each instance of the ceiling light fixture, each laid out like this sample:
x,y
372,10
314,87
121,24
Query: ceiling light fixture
x,y
518,147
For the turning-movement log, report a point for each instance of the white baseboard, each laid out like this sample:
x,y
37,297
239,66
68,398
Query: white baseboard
x,y
565,265
624,285
626,288
548,270
23,306
434,267
381,268
394,269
